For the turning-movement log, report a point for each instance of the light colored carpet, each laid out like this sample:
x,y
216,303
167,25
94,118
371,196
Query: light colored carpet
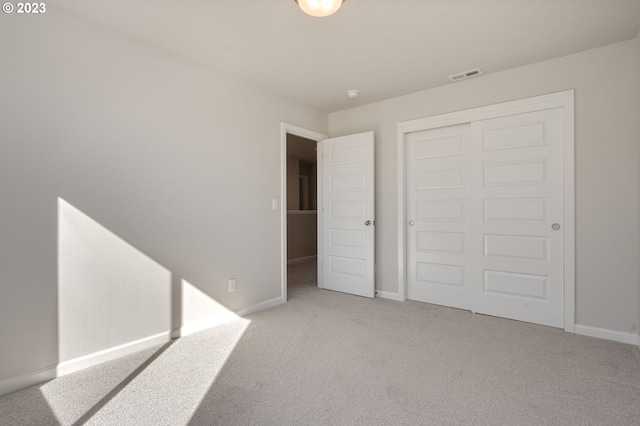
x,y
303,274
330,358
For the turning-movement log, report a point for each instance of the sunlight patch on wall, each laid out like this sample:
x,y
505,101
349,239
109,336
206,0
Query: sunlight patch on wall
x,y
109,293
113,300
200,311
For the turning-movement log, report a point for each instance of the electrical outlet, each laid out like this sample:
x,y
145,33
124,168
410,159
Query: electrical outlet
x,y
232,284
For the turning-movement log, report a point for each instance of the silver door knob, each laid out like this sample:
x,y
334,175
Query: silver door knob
x,y
555,226
368,223
411,223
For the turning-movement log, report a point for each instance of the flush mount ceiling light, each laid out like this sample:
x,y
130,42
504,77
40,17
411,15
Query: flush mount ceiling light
x,y
353,93
319,8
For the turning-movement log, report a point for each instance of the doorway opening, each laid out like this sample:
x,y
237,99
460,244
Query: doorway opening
x,y
300,199
302,212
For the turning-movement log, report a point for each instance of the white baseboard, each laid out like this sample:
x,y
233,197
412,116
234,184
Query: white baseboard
x,y
603,333
301,259
112,353
389,295
26,380
259,307
30,379
21,382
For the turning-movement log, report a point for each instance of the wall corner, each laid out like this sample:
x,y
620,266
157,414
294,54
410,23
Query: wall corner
x,y
638,170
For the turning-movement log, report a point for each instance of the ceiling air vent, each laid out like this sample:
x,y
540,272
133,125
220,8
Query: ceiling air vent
x,y
466,74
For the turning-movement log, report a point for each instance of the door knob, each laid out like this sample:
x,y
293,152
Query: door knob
x,y
411,223
555,226
368,223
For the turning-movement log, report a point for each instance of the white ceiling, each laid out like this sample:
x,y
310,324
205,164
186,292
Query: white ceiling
x,y
384,48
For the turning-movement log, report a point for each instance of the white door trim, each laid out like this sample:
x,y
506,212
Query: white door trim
x,y
554,100
308,134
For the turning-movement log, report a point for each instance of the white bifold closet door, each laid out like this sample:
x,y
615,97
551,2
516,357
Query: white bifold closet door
x,y
517,217
439,198
485,211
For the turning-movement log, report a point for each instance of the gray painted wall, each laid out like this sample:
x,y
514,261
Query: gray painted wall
x,y
638,170
293,171
302,235
154,155
606,163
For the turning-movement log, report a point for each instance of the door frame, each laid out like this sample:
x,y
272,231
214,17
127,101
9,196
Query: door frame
x,y
290,129
563,100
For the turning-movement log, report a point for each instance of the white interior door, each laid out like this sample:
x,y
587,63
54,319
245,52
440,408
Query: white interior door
x,y
348,214
517,211
438,210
